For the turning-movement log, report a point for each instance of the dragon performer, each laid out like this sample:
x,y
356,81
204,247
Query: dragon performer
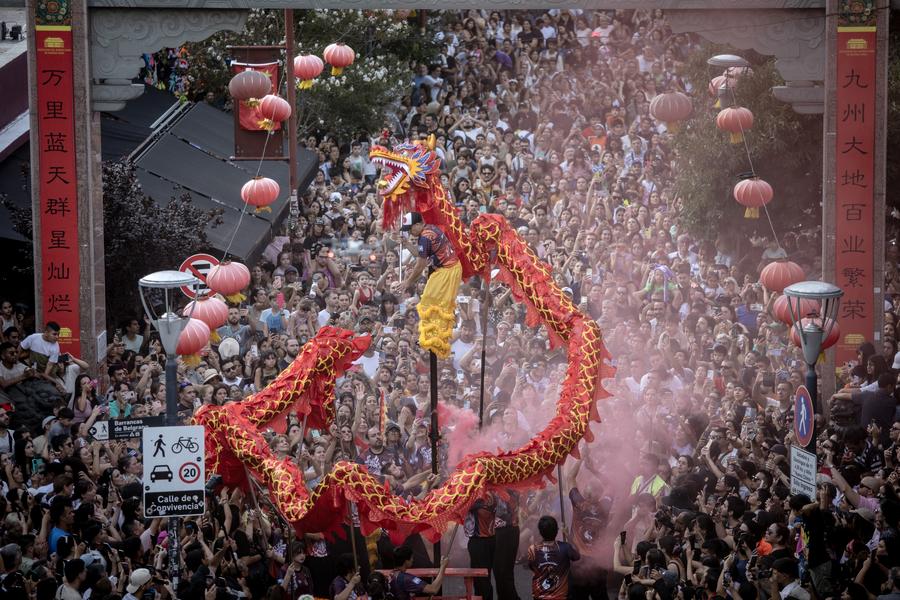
x,y
235,444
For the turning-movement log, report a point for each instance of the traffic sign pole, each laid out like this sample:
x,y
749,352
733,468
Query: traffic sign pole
x,y
171,420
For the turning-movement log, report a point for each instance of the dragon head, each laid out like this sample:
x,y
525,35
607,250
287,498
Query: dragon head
x,y
409,163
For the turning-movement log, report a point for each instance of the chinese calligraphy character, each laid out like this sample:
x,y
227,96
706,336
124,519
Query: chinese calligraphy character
x,y
58,240
853,309
57,173
56,142
853,276
852,78
852,244
853,144
855,179
57,271
854,112
54,76
60,303
54,110
58,206
853,211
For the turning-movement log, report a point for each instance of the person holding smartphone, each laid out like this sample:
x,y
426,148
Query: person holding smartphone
x,y
123,397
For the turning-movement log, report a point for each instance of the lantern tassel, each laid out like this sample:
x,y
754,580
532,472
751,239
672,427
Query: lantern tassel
x,y
335,71
252,102
236,298
718,104
214,337
751,213
269,124
305,84
260,209
191,360
673,127
737,137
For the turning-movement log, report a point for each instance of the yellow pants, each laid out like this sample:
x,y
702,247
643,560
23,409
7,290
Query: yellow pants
x,y
437,310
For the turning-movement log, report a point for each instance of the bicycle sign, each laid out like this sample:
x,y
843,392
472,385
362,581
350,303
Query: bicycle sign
x,y
174,476
185,444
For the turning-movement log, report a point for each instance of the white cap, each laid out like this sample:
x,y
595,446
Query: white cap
x,y
138,578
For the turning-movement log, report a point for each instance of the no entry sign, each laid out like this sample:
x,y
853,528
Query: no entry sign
x,y
198,265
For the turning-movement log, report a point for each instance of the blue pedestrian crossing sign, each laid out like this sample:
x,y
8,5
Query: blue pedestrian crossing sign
x,y
803,417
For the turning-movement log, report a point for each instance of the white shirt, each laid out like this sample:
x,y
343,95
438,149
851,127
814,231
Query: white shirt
x,y
459,349
36,343
794,590
133,345
369,364
17,370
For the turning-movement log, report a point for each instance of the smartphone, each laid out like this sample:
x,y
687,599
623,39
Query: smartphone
x,y
279,300
644,572
36,464
710,373
254,351
387,329
752,564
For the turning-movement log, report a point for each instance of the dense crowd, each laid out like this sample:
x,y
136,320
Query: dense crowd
x,y
541,117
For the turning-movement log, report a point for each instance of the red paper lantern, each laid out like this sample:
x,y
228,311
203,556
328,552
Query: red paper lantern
x,y
735,120
260,192
229,279
306,68
249,85
339,55
753,193
208,309
779,274
671,107
833,336
192,339
781,310
717,82
273,109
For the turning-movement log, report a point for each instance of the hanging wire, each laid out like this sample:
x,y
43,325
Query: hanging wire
x,y
750,160
258,168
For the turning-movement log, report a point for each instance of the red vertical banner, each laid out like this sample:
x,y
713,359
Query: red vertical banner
x,y
60,269
249,118
855,194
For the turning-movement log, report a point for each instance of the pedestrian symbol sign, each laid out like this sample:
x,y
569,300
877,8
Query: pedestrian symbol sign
x,y
174,477
803,417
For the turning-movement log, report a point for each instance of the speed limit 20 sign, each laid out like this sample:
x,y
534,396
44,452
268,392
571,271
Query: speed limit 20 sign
x,y
174,478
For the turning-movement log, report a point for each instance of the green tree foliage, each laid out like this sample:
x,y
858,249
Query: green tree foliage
x,y
385,44
785,148
142,236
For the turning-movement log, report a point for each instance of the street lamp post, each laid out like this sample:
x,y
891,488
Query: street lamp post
x,y
169,325
812,330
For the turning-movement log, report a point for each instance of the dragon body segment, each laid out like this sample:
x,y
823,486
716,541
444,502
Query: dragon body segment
x,y
234,441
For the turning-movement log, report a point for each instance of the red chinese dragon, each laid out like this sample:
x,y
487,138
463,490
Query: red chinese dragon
x,y
235,445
